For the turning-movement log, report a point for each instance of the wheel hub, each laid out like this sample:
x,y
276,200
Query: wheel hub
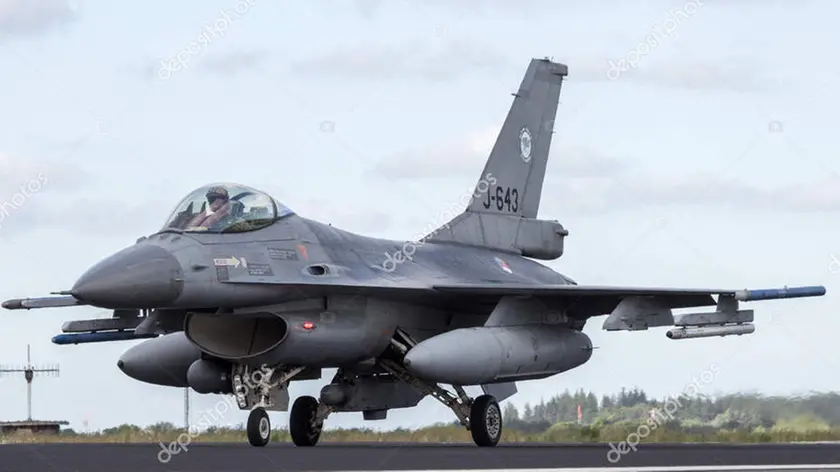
x,y
493,418
265,427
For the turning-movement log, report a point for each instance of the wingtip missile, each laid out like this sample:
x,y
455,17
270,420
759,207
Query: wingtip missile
x,y
779,293
41,302
14,304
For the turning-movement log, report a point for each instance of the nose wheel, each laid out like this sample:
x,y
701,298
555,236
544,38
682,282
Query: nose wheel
x,y
259,427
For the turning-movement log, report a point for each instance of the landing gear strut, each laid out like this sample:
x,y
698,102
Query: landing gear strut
x,y
481,416
253,388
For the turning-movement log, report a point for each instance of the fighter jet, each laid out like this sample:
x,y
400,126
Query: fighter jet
x,y
239,295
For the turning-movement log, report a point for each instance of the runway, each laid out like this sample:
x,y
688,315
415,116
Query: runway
x,y
415,457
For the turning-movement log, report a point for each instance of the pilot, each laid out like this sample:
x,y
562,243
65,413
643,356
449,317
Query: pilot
x,y
218,207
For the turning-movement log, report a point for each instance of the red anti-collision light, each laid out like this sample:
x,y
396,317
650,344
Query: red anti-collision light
x,y
308,325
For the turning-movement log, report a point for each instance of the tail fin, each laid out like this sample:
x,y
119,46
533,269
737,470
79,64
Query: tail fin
x,y
512,181
503,208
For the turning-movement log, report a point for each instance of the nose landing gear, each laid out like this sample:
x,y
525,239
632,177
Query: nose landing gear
x,y
259,427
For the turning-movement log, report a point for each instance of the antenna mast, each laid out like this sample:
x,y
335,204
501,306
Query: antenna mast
x,y
187,409
29,372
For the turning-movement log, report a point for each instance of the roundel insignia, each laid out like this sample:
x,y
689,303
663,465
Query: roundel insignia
x,y
525,144
503,265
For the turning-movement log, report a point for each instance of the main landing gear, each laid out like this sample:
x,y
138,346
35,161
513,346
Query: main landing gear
x,y
481,416
305,423
485,421
307,414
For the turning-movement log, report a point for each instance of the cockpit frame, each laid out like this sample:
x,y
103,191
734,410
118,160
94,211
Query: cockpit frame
x,y
225,208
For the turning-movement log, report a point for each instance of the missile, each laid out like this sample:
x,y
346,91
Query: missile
x,y
99,337
41,302
710,331
779,293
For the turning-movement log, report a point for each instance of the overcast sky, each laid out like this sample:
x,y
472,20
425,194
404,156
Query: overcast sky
x,y
696,145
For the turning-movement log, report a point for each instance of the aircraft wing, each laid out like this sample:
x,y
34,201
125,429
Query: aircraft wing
x,y
575,291
639,308
629,308
580,301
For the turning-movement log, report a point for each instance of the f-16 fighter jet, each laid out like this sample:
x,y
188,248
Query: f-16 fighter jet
x,y
239,295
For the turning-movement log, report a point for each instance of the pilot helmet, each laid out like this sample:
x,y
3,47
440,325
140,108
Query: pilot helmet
x,y
217,192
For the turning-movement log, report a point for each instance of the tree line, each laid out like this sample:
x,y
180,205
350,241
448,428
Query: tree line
x,y
815,411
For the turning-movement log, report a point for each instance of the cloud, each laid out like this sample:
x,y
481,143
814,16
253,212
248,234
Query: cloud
x,y
446,59
368,8
505,6
457,157
450,58
736,76
16,171
233,62
85,216
327,212
468,155
32,17
107,217
586,180
639,191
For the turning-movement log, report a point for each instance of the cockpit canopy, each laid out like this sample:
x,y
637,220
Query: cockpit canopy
x,y
225,208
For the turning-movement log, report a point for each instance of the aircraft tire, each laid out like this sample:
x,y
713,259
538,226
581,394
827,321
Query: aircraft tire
x,y
486,421
304,430
259,427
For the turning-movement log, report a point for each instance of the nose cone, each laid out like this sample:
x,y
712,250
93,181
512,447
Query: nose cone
x,y
141,276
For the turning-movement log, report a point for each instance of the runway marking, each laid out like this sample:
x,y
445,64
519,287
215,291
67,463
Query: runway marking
x,y
697,468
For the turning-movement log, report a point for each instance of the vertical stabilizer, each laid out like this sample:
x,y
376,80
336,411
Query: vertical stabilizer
x,y
502,213
512,181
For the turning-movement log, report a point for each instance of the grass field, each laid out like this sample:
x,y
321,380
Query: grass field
x,y
442,434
